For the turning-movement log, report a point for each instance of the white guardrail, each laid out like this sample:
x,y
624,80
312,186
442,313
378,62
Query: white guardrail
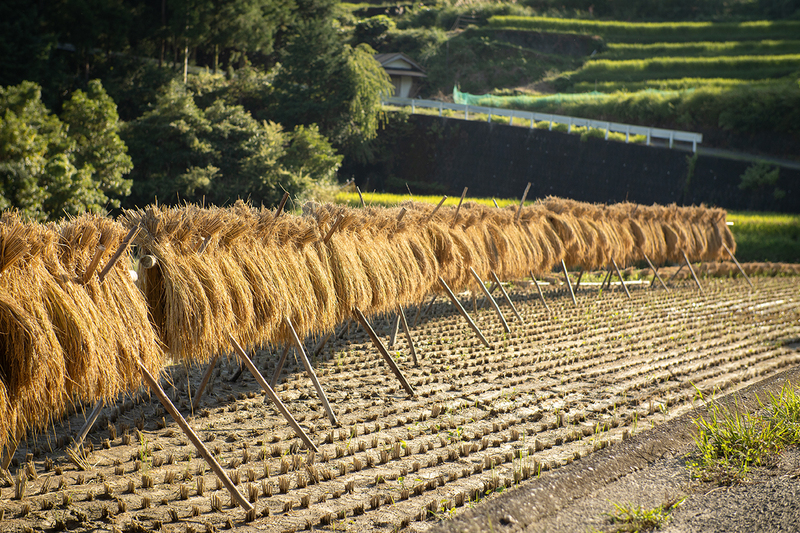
x,y
627,129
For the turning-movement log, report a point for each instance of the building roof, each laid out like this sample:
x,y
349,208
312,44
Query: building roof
x,y
399,64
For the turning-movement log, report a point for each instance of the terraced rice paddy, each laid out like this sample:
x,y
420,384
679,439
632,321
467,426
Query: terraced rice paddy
x,y
557,388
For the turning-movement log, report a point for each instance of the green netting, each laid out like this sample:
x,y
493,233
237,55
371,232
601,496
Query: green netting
x,y
549,101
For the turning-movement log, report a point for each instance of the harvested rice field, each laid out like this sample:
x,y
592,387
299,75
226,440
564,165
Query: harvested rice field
x,y
557,388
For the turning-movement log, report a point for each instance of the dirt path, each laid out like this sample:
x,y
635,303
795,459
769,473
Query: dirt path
x,y
558,388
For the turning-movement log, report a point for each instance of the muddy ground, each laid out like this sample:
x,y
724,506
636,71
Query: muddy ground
x,y
562,388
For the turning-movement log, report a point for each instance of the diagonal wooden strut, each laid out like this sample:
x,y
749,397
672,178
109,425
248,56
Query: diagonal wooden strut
x,y
539,290
310,371
578,281
738,265
279,366
655,272
569,282
271,393
212,462
88,424
490,299
507,297
204,382
407,330
621,281
463,312
697,281
606,280
383,351
395,330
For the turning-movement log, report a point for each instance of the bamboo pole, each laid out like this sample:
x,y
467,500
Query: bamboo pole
x,y
204,382
279,366
541,294
463,312
383,351
569,282
321,344
212,462
360,197
281,205
738,265
606,280
435,209
455,217
395,329
272,395
407,331
655,272
669,281
521,202
148,261
125,242
507,297
427,310
333,228
697,281
310,371
87,426
578,283
98,255
492,301
622,281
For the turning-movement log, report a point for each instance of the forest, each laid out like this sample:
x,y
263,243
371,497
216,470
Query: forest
x,y
116,104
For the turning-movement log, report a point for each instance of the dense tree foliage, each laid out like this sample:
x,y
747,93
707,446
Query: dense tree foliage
x,y
50,166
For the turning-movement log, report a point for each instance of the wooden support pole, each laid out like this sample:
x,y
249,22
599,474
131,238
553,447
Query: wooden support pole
x,y
541,294
495,203
204,382
669,281
212,462
272,395
401,215
98,255
455,217
738,265
333,228
279,366
578,283
281,205
321,344
697,281
522,202
383,351
361,197
606,280
427,310
622,281
407,330
655,272
491,300
114,258
87,426
435,209
310,371
395,329
463,313
569,282
507,297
